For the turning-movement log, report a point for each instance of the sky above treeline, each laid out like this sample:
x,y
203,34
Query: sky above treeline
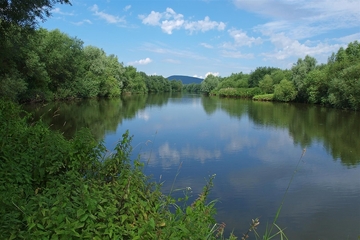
x,y
198,37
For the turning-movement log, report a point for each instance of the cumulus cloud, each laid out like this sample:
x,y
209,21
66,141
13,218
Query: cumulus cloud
x,y
204,25
170,20
141,62
107,17
294,23
242,39
197,76
286,47
212,73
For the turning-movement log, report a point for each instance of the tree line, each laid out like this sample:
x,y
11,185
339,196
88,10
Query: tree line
x,y
43,65
334,84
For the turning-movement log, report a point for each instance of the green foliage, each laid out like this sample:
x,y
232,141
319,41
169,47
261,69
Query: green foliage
x,y
209,84
235,80
239,92
316,86
259,73
157,83
264,97
267,84
299,73
285,91
53,188
176,85
192,87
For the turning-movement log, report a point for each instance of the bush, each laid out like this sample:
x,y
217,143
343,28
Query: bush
x,y
285,91
239,92
264,97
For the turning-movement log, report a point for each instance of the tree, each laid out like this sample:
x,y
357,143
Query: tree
x,y
267,84
285,91
259,73
209,83
25,13
316,86
299,72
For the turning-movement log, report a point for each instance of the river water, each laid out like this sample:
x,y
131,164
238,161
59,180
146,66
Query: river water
x,y
256,149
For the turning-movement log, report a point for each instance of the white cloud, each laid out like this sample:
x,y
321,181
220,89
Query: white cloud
x,y
349,38
107,17
304,18
294,23
198,76
152,19
82,22
286,47
141,62
212,73
242,39
206,45
169,25
204,25
127,8
170,20
58,11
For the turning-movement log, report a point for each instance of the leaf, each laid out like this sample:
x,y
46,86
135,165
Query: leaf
x,y
40,226
152,223
80,212
84,217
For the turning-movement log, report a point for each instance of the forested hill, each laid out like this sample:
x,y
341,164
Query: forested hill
x,y
185,79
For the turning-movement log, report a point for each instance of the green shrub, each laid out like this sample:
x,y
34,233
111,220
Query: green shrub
x,y
264,97
239,92
285,91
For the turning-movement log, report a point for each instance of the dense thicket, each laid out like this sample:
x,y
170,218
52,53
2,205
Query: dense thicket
x,y
335,84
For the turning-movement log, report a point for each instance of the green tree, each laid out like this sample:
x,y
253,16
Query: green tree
x,y
209,83
256,76
266,84
299,72
285,91
133,81
317,86
176,85
26,13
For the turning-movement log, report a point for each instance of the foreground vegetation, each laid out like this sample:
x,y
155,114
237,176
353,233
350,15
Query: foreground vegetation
x,y
53,188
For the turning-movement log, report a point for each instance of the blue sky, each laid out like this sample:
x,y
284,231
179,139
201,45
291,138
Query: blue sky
x,y
198,37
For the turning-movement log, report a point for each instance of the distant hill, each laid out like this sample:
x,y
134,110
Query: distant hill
x,y
185,79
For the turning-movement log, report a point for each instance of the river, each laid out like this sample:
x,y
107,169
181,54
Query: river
x,y
254,149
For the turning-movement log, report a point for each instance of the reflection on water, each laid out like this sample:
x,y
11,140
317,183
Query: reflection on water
x,y
253,147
